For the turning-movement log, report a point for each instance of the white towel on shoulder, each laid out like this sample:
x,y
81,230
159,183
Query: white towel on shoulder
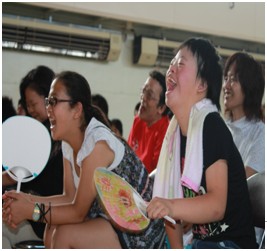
x,y
168,180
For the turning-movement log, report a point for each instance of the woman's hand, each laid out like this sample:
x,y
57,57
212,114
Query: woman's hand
x,y
16,208
159,207
6,216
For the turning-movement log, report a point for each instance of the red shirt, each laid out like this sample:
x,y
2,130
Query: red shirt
x,y
146,141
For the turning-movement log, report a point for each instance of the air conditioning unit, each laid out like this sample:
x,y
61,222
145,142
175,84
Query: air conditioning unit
x,y
153,52
57,38
145,51
160,52
228,52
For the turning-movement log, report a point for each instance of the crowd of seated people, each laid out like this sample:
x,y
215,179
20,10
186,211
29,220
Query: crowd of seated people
x,y
200,158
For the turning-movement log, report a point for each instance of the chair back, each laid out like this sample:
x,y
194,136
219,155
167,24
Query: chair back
x,y
256,187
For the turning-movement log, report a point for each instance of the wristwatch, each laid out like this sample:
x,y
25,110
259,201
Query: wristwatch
x,y
36,212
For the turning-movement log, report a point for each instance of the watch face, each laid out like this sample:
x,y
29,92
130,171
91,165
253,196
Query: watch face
x,y
36,212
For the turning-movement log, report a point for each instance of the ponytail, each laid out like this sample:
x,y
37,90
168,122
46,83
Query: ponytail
x,y
96,112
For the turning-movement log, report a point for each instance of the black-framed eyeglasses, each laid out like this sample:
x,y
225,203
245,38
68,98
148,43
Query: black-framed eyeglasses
x,y
53,101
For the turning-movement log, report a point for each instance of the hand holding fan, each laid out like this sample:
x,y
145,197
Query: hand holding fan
x,y
125,207
26,148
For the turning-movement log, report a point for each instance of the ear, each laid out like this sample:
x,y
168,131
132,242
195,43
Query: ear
x,y
161,109
78,110
202,87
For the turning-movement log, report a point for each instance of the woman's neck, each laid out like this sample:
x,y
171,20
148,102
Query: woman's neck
x,y
182,117
76,140
237,114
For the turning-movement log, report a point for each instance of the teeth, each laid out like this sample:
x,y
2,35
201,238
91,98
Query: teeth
x,y
172,81
171,84
52,122
227,95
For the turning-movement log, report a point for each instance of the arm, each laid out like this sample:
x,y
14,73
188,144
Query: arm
x,y
201,209
23,203
249,171
69,189
254,159
174,234
66,197
76,211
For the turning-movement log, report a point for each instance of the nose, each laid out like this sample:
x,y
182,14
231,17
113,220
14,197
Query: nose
x,y
226,84
143,97
48,109
30,109
171,69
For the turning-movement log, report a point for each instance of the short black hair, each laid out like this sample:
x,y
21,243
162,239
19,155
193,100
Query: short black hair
x,y
209,64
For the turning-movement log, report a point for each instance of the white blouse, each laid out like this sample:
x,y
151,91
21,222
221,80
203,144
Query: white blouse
x,y
249,137
94,132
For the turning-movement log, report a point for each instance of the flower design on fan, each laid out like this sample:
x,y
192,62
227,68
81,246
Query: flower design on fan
x,y
125,198
106,184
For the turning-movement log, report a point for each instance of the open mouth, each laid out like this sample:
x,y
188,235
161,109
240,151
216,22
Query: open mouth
x,y
52,123
227,95
171,84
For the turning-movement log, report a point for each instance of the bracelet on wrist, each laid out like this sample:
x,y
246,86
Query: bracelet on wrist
x,y
36,212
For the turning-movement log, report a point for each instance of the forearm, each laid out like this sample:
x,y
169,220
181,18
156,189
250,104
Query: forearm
x,y
59,214
21,207
174,233
54,200
249,171
199,210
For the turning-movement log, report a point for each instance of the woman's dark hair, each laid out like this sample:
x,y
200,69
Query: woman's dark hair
x,y
250,76
38,79
8,109
118,124
101,102
161,79
78,90
208,64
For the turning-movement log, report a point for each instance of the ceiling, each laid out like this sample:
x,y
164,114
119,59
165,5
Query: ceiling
x,y
125,27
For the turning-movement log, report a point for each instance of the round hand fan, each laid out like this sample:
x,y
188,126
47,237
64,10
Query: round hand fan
x,y
117,197
26,148
125,207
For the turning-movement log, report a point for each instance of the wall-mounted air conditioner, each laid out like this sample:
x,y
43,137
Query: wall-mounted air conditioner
x,y
70,40
158,52
153,52
228,52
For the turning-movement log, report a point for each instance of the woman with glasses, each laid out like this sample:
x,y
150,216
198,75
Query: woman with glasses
x,y
75,219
